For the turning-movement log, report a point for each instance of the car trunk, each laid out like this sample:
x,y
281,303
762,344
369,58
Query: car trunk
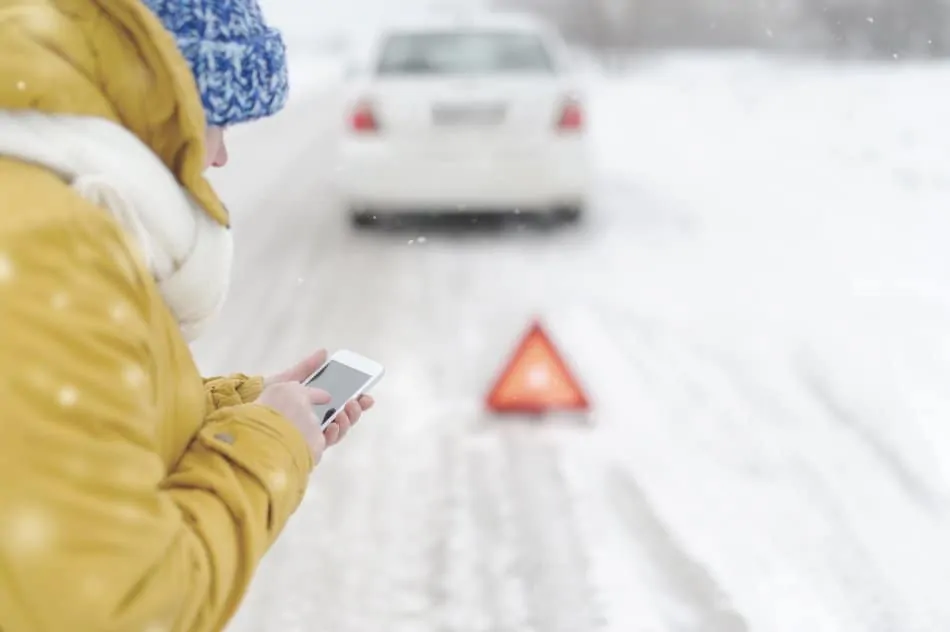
x,y
447,116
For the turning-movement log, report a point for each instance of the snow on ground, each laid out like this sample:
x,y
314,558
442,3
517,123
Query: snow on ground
x,y
791,389
757,304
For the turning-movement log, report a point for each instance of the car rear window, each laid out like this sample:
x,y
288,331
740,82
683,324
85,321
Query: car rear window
x,y
455,53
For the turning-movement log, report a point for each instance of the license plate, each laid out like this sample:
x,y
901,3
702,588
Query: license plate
x,y
468,114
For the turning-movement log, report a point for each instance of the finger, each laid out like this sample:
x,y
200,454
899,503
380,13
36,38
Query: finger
x,y
318,396
353,411
366,402
306,367
345,423
332,434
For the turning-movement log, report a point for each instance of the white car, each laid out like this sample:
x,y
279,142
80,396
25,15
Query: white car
x,y
474,113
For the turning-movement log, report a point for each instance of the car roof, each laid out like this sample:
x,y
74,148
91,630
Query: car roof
x,y
449,19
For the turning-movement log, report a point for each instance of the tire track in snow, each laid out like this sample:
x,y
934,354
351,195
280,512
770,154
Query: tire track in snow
x,y
552,560
688,596
496,509
850,574
870,512
816,560
704,606
888,458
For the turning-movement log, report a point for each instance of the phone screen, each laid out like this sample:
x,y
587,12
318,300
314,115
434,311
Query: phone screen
x,y
342,382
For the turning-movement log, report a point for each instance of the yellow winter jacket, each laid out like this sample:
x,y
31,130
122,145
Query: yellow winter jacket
x,y
134,496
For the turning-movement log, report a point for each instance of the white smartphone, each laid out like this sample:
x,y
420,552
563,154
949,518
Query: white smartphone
x,y
345,376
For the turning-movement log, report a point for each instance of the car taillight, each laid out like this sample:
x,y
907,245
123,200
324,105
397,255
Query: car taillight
x,y
363,119
572,117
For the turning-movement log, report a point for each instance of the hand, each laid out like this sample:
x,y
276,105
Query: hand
x,y
295,402
350,414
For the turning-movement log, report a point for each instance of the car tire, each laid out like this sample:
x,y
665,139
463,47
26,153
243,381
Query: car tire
x,y
569,214
362,219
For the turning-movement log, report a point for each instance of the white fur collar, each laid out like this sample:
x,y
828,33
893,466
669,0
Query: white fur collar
x,y
188,253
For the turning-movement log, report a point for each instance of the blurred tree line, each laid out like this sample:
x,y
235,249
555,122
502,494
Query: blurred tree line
x,y
880,28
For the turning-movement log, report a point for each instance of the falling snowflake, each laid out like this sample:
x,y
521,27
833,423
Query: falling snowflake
x,y
60,300
6,268
27,530
67,396
119,312
278,480
133,375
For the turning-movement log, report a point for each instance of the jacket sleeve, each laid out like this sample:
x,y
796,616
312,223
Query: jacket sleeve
x,y
231,390
95,534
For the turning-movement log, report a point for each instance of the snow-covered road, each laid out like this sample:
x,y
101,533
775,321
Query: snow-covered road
x,y
758,307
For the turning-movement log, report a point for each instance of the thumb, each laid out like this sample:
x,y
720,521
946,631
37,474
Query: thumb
x,y
304,369
318,396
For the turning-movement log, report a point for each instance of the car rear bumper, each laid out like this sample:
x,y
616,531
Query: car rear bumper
x,y
374,176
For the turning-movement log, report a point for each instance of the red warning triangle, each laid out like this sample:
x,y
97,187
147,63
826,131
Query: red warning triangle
x,y
536,379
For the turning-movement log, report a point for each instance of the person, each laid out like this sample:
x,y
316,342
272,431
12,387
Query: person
x,y
136,495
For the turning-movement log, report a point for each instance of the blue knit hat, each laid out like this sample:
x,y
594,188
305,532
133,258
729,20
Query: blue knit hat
x,y
239,63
